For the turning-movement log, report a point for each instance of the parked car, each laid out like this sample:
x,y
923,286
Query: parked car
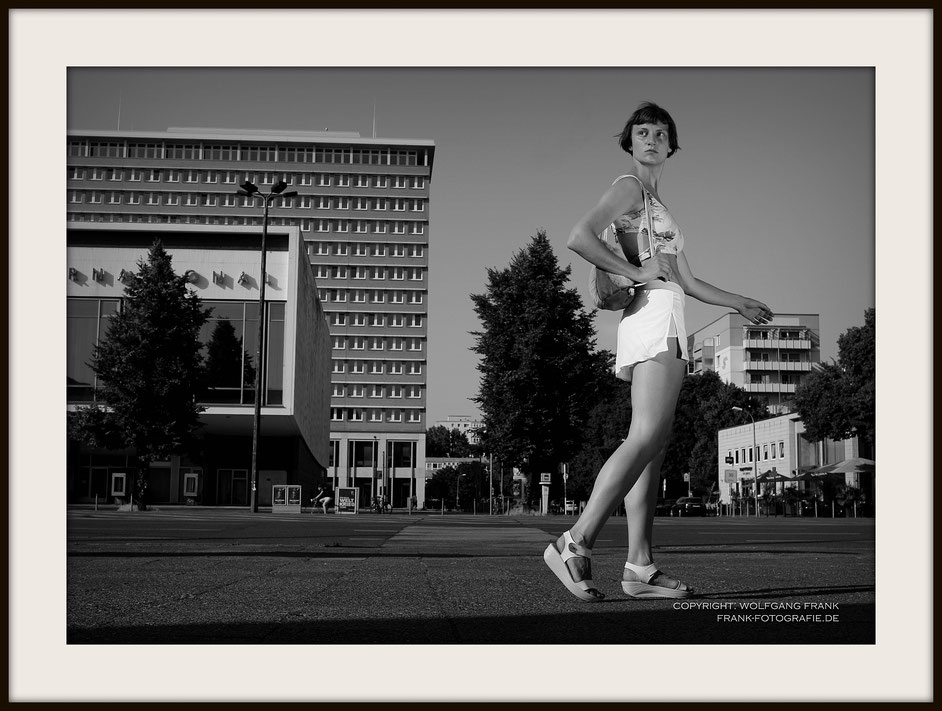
x,y
663,507
688,506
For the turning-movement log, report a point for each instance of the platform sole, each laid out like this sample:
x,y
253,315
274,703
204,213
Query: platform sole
x,y
554,562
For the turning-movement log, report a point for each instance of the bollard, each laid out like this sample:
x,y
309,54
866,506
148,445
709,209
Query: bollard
x,y
96,502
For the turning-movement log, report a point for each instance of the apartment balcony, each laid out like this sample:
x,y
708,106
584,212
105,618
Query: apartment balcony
x,y
770,387
776,365
790,344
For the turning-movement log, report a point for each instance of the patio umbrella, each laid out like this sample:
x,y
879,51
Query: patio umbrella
x,y
854,464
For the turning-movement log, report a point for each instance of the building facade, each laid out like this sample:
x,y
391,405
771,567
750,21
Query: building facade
x,y
463,423
222,266
362,212
777,445
769,360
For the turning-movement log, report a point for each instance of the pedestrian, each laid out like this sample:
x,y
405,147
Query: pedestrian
x,y
413,504
651,354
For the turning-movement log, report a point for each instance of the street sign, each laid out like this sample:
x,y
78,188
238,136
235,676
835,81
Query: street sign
x,y
730,476
545,478
687,477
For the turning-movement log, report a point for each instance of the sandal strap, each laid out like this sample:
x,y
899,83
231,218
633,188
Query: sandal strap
x,y
567,552
645,572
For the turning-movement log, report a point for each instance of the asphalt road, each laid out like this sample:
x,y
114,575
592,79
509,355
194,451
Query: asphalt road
x,y
191,576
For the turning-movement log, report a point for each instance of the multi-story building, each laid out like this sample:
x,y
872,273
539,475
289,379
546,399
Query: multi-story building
x,y
767,360
362,211
463,423
221,265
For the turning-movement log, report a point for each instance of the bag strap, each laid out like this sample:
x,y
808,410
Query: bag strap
x,y
645,199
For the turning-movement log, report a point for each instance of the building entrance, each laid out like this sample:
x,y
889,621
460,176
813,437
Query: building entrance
x,y
232,487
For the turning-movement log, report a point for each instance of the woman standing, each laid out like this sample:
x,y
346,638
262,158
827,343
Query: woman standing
x,y
651,353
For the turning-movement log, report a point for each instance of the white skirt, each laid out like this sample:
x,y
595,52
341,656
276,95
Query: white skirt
x,y
652,317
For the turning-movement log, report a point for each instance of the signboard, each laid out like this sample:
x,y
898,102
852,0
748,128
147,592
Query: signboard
x,y
285,499
729,460
687,476
545,478
730,476
347,500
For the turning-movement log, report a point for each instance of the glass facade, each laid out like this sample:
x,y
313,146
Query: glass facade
x,y
86,324
229,340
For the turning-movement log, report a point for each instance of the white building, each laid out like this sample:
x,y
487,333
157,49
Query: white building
x,y
463,423
768,360
777,444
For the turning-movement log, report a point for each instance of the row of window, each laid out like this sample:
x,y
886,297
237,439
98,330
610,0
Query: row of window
x,y
194,199
377,367
306,225
783,356
372,296
353,414
325,271
364,249
365,453
376,390
767,379
757,334
361,249
771,450
377,343
373,320
237,177
164,150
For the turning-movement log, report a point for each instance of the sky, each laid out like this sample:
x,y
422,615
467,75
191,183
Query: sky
x,y
773,185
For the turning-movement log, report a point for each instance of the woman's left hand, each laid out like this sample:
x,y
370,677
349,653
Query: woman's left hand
x,y
755,311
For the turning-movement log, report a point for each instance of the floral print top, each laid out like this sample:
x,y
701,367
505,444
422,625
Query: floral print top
x,y
631,229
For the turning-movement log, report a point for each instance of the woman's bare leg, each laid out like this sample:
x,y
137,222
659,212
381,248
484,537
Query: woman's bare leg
x,y
639,510
655,386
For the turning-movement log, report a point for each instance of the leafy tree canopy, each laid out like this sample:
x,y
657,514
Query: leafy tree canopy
x,y
441,441
539,369
839,400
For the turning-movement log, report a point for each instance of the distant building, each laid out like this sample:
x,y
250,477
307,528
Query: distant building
x,y
362,212
222,267
434,464
463,423
767,360
780,447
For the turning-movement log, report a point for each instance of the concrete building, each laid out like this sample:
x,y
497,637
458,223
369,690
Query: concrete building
x,y
222,267
363,215
463,423
781,447
768,360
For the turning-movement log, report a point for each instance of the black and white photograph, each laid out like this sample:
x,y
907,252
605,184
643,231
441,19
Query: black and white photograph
x,y
373,363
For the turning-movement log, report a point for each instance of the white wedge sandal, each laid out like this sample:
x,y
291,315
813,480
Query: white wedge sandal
x,y
557,563
642,588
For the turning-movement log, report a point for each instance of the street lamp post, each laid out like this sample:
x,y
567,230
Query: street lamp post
x,y
755,457
249,189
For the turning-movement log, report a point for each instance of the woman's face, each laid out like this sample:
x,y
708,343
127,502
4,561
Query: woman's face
x,y
650,142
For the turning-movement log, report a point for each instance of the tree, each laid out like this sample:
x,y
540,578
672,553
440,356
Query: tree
x,y
441,441
704,407
227,363
151,369
839,400
538,364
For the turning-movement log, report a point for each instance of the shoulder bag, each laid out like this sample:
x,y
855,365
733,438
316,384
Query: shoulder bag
x,y
614,292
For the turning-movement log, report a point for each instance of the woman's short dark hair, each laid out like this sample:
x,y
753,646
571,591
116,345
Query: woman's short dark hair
x,y
649,112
